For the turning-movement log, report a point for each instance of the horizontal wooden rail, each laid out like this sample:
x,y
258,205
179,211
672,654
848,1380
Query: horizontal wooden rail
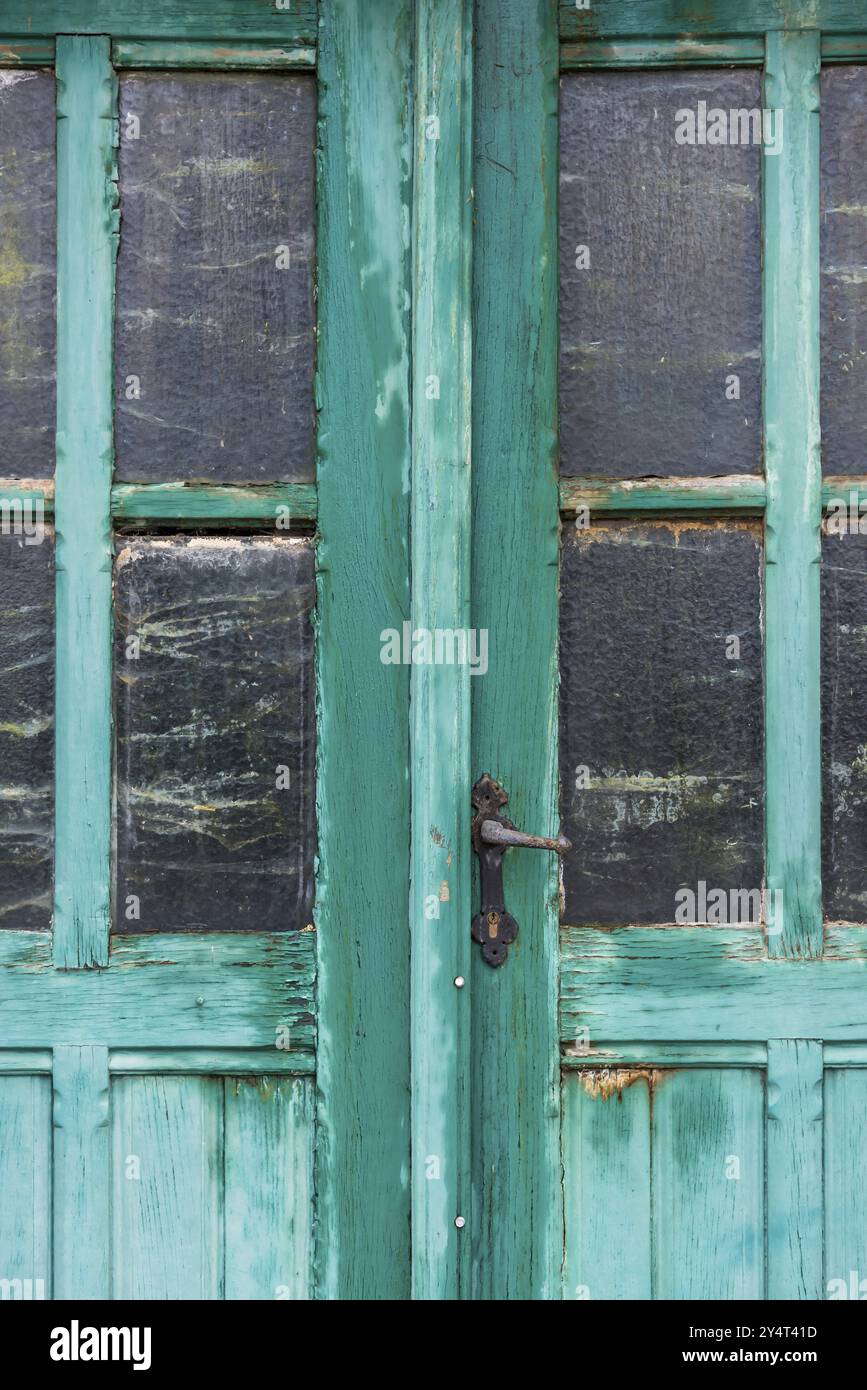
x,y
663,53
26,53
744,494
176,53
277,505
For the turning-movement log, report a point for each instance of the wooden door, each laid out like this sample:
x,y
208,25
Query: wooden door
x,y
680,1077
203,877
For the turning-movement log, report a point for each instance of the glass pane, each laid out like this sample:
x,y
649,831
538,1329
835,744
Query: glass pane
x,y
660,274
844,270
214,347
215,735
26,721
27,273
844,727
661,738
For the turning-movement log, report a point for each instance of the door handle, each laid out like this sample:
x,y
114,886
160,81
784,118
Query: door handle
x,y
493,833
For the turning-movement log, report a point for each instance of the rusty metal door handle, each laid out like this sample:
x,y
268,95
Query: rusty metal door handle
x,y
493,833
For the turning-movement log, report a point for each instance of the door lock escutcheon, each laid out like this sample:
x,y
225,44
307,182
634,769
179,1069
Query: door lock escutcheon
x,y
493,833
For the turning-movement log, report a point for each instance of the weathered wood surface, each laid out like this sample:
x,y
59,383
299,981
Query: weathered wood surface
x,y
662,53
704,984
697,19
80,1171
25,1180
214,342
26,724
172,53
793,472
440,906
27,272
167,991
214,706
660,717
671,496
660,278
362,892
276,506
795,1218
87,224
294,21
517,1224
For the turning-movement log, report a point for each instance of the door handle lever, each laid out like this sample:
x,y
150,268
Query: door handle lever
x,y
493,833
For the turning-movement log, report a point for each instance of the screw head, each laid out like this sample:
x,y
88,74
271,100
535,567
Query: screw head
x,y
460,1222
459,982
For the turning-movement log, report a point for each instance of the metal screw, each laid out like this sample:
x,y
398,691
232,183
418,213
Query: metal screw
x,y
459,982
460,1222
200,1001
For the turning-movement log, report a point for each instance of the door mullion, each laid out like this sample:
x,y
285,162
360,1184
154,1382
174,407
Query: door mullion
x,y
87,226
440,908
793,513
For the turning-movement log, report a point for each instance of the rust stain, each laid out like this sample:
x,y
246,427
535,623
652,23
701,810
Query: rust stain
x,y
613,1081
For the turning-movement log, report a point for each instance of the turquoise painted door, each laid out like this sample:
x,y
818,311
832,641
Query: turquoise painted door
x,y
204,1002
667,559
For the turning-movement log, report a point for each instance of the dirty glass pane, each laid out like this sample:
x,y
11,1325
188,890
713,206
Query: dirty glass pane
x,y
660,274
27,273
661,784
215,735
214,345
844,727
26,720
844,269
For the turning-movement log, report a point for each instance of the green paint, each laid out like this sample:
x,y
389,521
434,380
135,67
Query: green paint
x,y
669,496
250,985
224,20
278,506
662,53
171,53
362,905
440,695
517,1246
81,1175
702,984
690,19
792,517
795,1214
87,225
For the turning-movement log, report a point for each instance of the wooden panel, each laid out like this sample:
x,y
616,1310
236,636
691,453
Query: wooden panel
x,y
207,19
794,1187
205,299
215,735
845,1190
25,1181
166,1207
517,1248
362,910
696,18
708,1184
26,721
173,53
268,1187
700,984
664,1176
844,710
235,989
650,361
27,272
844,269
212,1187
81,1184
661,721
606,1157
669,496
